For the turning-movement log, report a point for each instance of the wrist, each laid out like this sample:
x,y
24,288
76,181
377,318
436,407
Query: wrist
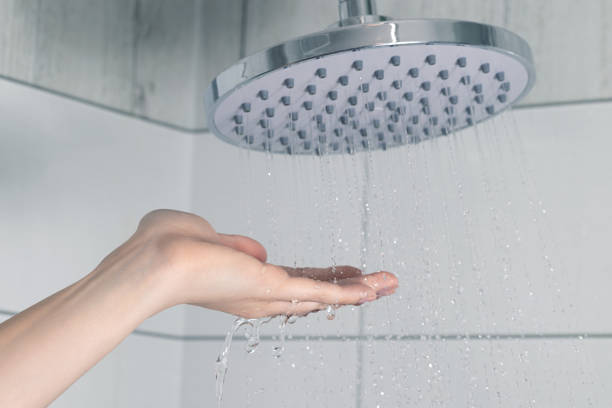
x,y
134,281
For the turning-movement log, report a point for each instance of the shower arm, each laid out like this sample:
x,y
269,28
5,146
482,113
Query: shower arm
x,y
358,12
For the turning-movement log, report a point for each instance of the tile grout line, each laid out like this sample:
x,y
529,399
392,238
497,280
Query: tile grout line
x,y
364,245
244,21
359,345
202,130
506,13
384,337
104,107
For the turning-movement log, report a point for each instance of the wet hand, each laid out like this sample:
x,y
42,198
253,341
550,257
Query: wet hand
x,y
194,264
172,258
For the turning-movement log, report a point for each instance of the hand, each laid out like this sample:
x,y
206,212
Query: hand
x,y
228,272
172,258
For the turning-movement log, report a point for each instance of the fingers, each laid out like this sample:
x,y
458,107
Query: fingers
x,y
380,281
356,289
303,308
293,309
244,244
384,283
299,295
324,274
305,289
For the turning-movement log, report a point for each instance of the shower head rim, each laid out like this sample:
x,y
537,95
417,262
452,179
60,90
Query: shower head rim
x,y
390,33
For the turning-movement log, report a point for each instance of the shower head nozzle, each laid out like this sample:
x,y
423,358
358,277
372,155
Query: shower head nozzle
x,y
368,86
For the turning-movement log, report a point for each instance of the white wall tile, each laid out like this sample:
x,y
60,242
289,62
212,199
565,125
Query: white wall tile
x,y
140,372
560,373
308,374
513,288
75,181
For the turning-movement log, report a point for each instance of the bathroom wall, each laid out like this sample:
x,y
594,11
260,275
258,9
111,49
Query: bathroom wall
x,y
74,182
131,56
75,179
558,209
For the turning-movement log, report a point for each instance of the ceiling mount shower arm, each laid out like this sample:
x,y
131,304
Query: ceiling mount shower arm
x,y
358,12
356,8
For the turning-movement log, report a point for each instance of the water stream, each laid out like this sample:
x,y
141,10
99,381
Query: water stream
x,y
460,221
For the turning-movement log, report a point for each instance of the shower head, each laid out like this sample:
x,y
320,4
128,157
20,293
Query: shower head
x,y
369,83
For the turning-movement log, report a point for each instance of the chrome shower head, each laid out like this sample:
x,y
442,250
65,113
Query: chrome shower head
x,y
369,83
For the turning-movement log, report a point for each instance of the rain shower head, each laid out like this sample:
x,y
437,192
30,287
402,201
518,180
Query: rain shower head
x,y
369,83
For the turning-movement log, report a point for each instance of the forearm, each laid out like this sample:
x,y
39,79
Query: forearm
x,y
44,349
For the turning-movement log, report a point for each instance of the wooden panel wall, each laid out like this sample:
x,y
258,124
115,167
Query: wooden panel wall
x,y
154,58
150,58
571,40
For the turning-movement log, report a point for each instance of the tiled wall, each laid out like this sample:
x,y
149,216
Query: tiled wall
x,y
73,169
74,181
539,186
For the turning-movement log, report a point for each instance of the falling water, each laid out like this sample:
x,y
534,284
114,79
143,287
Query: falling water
x,y
222,359
446,216
330,312
280,347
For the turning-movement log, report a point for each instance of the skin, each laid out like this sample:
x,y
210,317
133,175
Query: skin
x,y
173,258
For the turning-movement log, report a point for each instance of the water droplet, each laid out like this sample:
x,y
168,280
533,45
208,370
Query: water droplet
x,y
280,348
252,335
278,351
331,312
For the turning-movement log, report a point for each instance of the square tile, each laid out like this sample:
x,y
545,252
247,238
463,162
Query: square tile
x,y
317,373
141,371
559,373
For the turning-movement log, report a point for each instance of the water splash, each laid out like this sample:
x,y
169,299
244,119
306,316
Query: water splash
x,y
280,347
252,333
330,312
222,359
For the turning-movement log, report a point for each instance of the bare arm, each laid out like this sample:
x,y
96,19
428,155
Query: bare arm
x,y
173,258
